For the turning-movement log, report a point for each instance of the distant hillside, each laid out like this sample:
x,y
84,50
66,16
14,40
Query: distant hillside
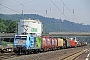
x,y
50,24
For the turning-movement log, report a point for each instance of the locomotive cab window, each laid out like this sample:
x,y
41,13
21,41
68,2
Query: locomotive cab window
x,y
21,37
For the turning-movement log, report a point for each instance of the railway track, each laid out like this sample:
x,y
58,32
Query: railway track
x,y
50,55
74,55
7,55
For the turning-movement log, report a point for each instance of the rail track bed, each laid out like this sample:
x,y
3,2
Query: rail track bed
x,y
75,55
7,55
63,54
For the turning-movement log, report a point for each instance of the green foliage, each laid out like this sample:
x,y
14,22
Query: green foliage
x,y
4,43
12,27
50,24
2,26
8,26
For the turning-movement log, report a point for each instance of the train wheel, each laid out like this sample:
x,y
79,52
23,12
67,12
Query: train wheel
x,y
26,52
54,49
0,50
36,50
41,50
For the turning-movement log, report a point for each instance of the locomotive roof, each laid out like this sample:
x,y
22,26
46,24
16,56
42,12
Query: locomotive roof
x,y
20,35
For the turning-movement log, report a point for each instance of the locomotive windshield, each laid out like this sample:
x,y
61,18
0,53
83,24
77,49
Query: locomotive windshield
x,y
20,39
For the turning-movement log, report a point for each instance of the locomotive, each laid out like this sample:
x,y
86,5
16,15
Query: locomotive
x,y
26,44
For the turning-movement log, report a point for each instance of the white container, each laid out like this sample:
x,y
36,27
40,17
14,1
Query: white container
x,y
30,26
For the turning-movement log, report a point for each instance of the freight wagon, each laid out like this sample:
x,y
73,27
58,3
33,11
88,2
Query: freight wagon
x,y
72,43
68,43
54,43
83,43
48,43
62,43
78,43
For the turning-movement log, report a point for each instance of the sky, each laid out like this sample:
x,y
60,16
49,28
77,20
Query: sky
x,y
77,11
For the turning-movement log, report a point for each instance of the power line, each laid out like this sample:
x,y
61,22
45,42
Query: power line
x,y
62,12
9,8
18,4
69,9
21,3
59,9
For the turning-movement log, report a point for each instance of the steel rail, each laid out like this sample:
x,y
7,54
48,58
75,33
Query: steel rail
x,y
74,56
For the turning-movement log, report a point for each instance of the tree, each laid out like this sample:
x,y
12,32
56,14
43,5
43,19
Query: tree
x,y
12,28
8,26
2,26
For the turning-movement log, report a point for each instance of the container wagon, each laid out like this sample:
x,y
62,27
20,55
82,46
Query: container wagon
x,y
72,43
83,43
46,43
78,44
62,43
68,43
55,43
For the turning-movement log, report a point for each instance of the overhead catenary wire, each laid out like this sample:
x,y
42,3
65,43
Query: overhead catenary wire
x,y
69,9
9,8
22,3
59,9
63,8
62,12
22,11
